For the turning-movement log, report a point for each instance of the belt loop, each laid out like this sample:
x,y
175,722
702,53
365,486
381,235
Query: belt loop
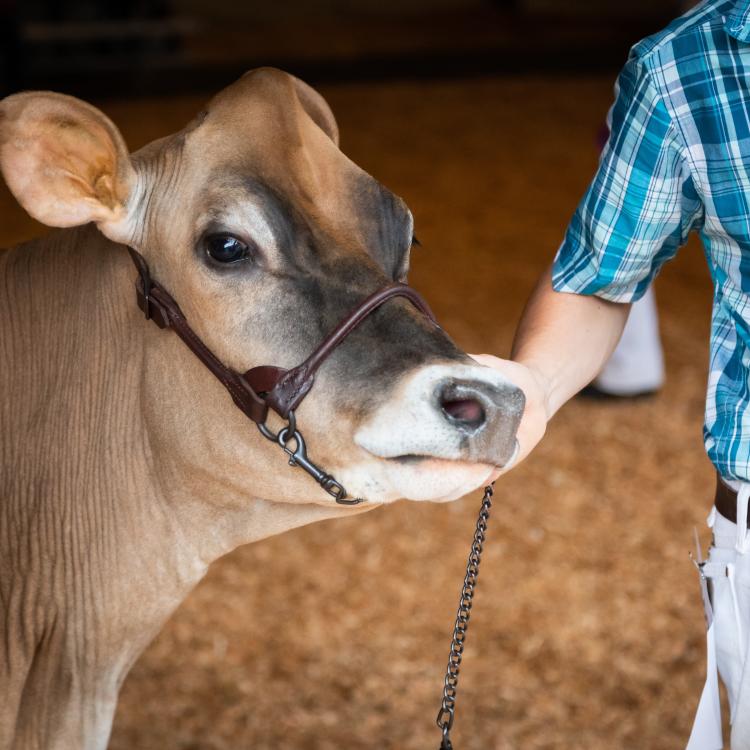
x,y
743,495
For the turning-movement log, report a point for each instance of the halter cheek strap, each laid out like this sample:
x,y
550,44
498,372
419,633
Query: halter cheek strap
x,y
267,387
289,387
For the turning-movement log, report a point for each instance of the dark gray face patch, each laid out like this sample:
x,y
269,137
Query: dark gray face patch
x,y
318,275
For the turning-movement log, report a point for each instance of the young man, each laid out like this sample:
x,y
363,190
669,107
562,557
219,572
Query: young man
x,y
678,159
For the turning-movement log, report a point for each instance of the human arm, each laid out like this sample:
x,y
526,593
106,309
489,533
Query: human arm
x,y
636,214
561,343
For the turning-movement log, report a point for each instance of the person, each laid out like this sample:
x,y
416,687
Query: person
x,y
677,160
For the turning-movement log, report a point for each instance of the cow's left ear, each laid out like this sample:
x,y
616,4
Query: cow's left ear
x,y
64,160
317,108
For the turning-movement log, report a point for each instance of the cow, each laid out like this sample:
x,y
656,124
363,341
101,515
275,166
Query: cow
x,y
125,468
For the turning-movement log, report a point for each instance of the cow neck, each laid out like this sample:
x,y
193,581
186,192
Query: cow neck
x,y
266,387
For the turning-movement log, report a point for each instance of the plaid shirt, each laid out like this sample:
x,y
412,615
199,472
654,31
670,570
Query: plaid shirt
x,y
678,159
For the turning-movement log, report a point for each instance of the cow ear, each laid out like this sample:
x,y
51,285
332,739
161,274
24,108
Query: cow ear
x,y
64,160
318,110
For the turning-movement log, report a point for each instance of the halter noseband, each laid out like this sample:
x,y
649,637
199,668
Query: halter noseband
x,y
267,387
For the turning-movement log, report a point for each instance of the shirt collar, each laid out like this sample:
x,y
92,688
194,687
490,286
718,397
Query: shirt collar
x,y
737,22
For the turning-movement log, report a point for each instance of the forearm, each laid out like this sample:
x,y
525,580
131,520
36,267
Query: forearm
x,y
565,339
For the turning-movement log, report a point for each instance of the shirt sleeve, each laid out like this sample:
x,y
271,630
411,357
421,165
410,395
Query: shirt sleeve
x,y
641,205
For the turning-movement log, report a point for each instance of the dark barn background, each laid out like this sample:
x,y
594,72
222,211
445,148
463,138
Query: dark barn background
x,y
587,629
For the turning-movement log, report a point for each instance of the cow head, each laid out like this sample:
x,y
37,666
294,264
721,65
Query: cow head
x,y
267,235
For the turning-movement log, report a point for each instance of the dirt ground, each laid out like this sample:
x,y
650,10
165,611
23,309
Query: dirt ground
x,y
587,630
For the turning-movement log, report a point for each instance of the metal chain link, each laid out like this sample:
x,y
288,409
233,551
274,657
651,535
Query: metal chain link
x,y
448,705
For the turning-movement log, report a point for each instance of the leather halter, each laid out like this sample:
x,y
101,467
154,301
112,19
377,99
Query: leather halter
x,y
267,387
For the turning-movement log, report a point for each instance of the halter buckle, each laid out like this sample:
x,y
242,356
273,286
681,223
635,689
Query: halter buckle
x,y
298,457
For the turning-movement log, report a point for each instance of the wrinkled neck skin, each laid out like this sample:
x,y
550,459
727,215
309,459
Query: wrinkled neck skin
x,y
113,496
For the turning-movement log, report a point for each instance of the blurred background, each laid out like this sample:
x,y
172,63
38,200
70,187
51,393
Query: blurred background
x,y
483,115
165,46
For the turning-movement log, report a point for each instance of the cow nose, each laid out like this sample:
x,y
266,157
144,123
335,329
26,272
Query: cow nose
x,y
452,411
463,406
482,413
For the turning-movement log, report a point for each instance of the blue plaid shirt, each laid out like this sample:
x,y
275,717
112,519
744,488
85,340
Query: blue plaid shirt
x,y
678,159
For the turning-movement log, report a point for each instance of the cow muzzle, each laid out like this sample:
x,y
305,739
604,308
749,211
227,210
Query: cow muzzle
x,y
452,412
466,415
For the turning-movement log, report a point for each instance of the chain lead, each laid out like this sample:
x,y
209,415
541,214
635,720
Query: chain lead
x,y
448,705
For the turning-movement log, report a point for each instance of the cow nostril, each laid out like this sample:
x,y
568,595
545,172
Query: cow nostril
x,y
467,412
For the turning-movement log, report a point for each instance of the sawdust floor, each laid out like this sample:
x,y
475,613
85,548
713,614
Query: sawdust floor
x,y
587,628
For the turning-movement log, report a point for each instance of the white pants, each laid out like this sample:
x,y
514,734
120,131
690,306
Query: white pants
x,y
731,610
637,364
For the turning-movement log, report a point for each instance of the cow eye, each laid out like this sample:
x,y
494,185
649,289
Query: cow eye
x,y
224,248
